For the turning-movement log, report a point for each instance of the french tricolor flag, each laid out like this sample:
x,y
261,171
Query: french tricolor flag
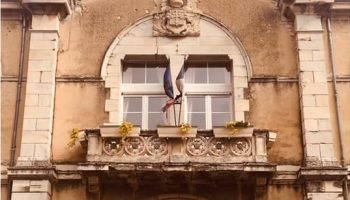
x,y
168,88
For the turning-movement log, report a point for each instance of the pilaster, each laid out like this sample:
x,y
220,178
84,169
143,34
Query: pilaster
x,y
318,138
40,91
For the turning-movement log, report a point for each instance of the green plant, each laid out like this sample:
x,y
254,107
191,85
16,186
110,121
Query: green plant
x,y
184,128
234,126
124,129
74,136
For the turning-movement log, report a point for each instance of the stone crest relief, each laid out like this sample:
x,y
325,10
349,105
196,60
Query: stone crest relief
x,y
176,18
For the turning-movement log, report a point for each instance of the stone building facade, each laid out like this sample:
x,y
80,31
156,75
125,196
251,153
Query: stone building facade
x,y
72,71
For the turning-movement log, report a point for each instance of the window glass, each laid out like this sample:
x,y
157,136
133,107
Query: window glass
x,y
196,73
197,119
219,119
134,73
196,104
154,73
218,73
143,73
220,104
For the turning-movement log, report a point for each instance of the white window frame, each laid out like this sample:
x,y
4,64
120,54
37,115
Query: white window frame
x,y
138,90
208,90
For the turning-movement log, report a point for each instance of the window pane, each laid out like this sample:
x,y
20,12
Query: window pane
x,y
196,104
132,104
197,119
155,119
196,73
134,73
135,118
220,104
218,74
155,73
219,119
155,104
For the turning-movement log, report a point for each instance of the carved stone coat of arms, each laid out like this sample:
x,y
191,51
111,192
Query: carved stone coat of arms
x,y
176,18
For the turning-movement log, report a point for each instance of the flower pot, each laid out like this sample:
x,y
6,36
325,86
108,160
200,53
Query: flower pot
x,y
222,132
174,132
113,131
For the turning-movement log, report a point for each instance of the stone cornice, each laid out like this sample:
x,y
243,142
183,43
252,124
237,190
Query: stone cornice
x,y
289,8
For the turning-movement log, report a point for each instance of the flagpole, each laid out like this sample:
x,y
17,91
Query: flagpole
x,y
180,111
174,115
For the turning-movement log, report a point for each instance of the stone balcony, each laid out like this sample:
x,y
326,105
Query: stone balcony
x,y
167,149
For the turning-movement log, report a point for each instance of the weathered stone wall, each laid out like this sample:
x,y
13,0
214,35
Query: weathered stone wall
x,y
287,192
68,191
270,45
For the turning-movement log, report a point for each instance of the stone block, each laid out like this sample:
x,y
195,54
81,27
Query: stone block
x,y
318,137
240,116
325,196
239,70
41,54
20,185
47,77
27,150
239,93
312,66
111,105
315,88
45,100
237,59
316,112
313,150
305,55
114,93
308,23
114,117
113,70
40,186
310,45
37,137
140,50
45,22
36,36
322,100
307,77
241,82
29,124
112,81
43,44
43,124
33,77
40,65
320,77
242,105
324,124
30,196
37,112
318,55
32,100
310,125
327,150
308,100
40,88
42,152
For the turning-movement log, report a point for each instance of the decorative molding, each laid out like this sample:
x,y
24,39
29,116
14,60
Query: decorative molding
x,y
176,18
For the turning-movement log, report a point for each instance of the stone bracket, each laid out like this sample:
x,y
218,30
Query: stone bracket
x,y
322,174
